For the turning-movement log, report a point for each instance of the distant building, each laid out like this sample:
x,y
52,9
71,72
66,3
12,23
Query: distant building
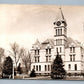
x,y
71,51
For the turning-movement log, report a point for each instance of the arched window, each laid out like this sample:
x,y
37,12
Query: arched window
x,y
61,31
45,68
75,66
46,51
48,67
73,49
56,32
36,67
37,52
70,57
39,67
46,58
69,66
74,57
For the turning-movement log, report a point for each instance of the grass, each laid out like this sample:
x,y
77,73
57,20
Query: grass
x,y
49,78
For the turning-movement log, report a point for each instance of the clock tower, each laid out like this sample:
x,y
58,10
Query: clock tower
x,y
60,36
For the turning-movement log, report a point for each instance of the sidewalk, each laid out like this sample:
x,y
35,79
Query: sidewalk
x,y
49,78
39,78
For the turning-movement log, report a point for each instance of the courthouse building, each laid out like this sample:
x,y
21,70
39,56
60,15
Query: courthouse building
x,y
71,51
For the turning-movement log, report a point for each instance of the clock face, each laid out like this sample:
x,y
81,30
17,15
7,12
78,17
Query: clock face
x,y
58,23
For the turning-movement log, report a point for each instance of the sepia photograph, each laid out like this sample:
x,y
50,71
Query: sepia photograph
x,y
41,42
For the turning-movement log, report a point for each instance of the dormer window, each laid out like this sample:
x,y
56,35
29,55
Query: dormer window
x,y
72,49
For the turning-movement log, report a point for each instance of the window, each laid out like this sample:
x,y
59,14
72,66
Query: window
x,y
49,51
46,58
73,49
70,49
39,67
70,57
69,67
35,59
65,31
60,49
45,68
49,58
38,52
56,32
61,31
75,74
38,59
35,52
69,74
73,57
58,41
56,49
49,67
75,67
46,51
82,56
36,68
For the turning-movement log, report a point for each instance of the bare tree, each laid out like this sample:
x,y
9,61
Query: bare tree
x,y
1,56
16,52
26,59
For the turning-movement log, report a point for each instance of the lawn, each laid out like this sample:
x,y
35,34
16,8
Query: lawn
x,y
49,78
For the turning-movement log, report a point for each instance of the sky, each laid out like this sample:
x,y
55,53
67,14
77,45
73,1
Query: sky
x,y
24,24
